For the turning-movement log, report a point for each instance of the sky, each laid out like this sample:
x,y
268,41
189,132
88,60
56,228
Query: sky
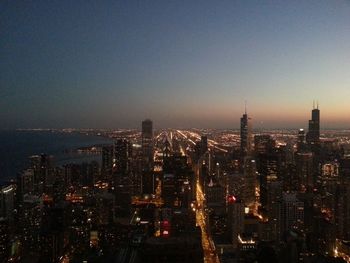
x,y
111,64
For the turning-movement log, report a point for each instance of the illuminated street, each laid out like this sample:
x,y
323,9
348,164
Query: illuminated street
x,y
207,243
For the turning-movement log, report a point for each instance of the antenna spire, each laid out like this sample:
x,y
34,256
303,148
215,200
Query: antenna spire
x,y
245,107
313,104
317,104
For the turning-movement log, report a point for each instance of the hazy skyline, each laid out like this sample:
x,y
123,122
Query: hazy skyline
x,y
111,64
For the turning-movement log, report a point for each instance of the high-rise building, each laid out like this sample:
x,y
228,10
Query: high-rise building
x,y
4,239
215,195
204,144
305,172
274,197
246,135
107,161
122,177
43,167
175,184
201,148
89,173
123,155
313,135
301,140
7,201
342,211
27,182
267,163
147,145
292,212
342,201
250,181
268,173
235,219
263,143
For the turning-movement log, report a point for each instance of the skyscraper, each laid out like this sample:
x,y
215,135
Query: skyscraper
x,y
235,219
313,135
268,169
305,172
292,212
123,155
7,201
301,140
250,181
204,144
263,143
107,161
147,145
246,135
43,172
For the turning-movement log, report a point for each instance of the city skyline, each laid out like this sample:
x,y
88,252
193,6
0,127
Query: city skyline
x,y
86,65
174,131
258,125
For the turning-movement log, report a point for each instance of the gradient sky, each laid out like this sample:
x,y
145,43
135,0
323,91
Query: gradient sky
x,y
110,64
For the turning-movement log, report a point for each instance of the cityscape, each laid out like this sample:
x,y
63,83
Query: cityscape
x,y
187,195
174,131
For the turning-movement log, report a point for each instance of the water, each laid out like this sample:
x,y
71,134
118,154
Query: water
x,y
17,146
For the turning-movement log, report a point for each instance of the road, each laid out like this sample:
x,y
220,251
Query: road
x,y
210,255
189,138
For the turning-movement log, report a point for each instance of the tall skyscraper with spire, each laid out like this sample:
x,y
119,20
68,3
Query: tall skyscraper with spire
x,y
313,135
246,134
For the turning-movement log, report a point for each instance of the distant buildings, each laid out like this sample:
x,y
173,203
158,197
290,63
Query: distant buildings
x,y
157,196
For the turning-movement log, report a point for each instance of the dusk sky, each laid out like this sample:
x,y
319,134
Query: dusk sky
x,y
111,64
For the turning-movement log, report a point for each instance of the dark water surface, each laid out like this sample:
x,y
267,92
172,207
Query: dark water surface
x,y
17,146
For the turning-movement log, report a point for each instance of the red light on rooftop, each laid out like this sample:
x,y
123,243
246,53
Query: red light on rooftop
x,y
231,199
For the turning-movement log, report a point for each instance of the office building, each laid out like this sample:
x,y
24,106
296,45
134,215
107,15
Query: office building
x,y
107,161
313,135
305,173
292,212
147,145
123,156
